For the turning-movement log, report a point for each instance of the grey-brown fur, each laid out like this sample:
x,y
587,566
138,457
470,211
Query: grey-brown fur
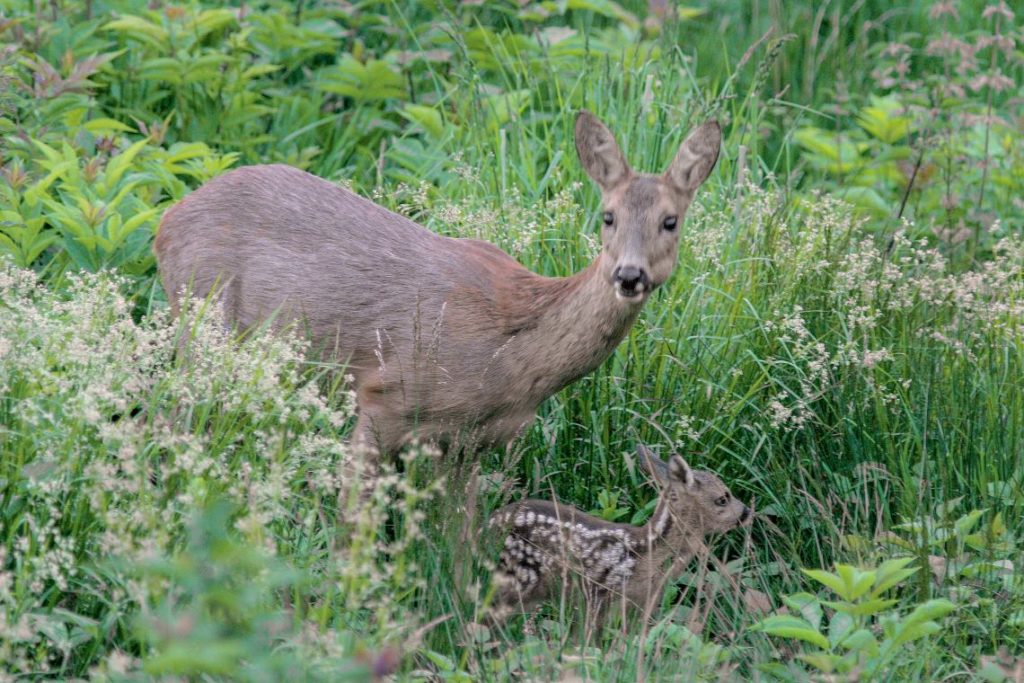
x,y
444,337
547,543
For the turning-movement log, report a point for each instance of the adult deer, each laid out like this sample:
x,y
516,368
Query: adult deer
x,y
445,338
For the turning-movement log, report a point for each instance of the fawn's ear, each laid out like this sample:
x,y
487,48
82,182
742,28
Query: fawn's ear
x,y
679,471
695,158
654,466
599,154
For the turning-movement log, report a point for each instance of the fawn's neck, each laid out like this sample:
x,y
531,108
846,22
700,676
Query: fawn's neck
x,y
665,535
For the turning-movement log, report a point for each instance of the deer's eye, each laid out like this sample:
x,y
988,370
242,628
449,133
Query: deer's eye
x,y
670,223
723,501
608,218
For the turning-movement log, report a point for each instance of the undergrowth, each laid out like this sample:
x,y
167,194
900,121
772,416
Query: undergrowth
x,y
841,342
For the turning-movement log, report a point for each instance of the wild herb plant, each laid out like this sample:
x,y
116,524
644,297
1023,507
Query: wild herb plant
x,y
842,341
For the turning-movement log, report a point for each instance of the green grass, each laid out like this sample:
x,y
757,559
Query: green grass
x,y
841,341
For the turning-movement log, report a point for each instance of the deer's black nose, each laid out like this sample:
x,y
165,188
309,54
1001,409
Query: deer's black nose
x,y
745,515
631,279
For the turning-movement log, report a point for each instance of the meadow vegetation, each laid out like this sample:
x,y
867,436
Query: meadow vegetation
x,y
843,341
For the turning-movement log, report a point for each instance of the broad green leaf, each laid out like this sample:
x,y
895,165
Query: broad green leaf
x,y
824,662
944,508
838,627
884,120
137,220
827,579
807,605
606,8
860,609
861,640
118,166
140,29
933,609
206,68
103,125
788,626
369,82
211,20
503,107
966,523
162,70
831,148
428,118
254,72
997,526
38,192
915,632
891,573
866,198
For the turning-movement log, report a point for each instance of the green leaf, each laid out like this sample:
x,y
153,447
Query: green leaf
x,y
838,627
933,609
373,81
105,125
788,626
824,662
502,107
118,166
807,605
162,70
883,120
916,632
866,198
828,579
212,20
428,118
860,609
861,640
140,29
965,524
891,573
606,8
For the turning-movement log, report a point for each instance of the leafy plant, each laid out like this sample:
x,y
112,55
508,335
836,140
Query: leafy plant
x,y
863,634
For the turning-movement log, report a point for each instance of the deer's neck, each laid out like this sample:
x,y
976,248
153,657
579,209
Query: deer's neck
x,y
568,327
666,536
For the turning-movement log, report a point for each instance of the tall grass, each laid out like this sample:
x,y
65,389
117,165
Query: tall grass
x,y
850,368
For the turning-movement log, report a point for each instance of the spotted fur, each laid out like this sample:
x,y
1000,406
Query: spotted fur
x,y
547,543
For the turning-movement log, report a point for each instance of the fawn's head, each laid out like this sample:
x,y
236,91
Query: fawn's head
x,y
642,213
698,500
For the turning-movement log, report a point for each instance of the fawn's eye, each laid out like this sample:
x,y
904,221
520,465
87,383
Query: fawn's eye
x,y
608,218
670,223
723,501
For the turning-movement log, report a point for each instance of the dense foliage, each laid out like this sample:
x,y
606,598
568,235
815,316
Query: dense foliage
x,y
843,341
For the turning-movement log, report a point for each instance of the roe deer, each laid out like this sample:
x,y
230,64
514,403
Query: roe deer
x,y
548,543
443,337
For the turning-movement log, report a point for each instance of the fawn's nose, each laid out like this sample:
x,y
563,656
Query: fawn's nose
x,y
745,515
630,280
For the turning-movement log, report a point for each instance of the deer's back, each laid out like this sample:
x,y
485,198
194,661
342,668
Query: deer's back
x,y
281,241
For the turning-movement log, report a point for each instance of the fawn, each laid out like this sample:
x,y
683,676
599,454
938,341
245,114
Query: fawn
x,y
547,543
446,339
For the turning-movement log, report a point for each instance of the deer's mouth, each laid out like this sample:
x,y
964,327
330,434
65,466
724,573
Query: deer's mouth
x,y
634,294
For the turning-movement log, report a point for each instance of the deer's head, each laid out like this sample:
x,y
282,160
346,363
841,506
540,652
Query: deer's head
x,y
697,500
642,213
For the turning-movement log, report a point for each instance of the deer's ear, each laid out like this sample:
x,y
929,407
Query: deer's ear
x,y
695,158
650,463
599,154
679,471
